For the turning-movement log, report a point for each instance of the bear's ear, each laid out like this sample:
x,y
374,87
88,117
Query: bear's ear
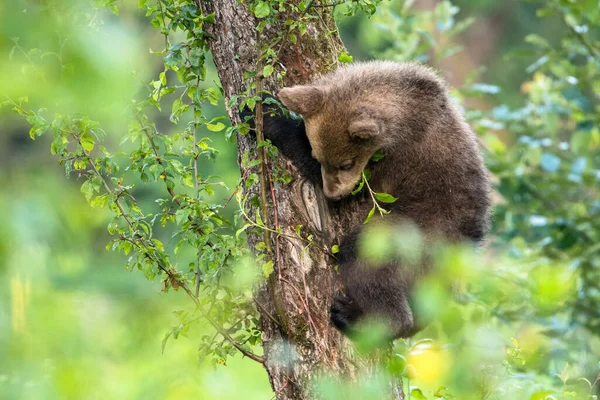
x,y
364,129
302,99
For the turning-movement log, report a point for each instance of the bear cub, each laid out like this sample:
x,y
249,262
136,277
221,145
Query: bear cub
x,y
431,164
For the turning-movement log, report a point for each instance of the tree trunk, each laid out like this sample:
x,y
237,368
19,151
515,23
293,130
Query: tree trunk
x,y
299,342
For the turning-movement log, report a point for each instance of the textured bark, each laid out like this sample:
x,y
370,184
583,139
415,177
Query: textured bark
x,y
299,342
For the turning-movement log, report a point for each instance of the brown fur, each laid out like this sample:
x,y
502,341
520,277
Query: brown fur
x,y
431,164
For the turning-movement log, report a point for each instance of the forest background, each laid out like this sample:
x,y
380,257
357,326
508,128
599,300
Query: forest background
x,y
76,324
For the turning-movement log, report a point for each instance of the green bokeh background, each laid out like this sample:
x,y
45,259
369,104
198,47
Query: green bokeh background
x,y
73,322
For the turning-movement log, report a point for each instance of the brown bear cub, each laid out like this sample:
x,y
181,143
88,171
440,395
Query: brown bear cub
x,y
430,163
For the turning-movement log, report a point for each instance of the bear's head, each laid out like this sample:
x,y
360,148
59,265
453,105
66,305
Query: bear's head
x,y
344,133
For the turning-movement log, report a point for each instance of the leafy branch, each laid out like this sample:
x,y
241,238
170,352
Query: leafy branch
x,y
375,197
148,249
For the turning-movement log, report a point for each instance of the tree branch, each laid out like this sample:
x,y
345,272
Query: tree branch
x,y
144,246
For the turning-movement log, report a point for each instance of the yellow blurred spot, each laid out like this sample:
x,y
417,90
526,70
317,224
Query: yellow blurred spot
x,y
526,87
20,292
429,364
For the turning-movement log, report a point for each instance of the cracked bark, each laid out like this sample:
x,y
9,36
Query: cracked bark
x,y
299,342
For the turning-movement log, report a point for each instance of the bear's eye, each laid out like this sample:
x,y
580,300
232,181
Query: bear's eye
x,y
347,165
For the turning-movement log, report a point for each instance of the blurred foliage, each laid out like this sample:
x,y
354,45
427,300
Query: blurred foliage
x,y
76,327
525,320
549,176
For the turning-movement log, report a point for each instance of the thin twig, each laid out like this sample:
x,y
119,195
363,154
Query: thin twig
x,y
195,153
264,310
596,381
198,273
196,184
276,221
258,122
310,320
172,276
164,23
290,238
381,210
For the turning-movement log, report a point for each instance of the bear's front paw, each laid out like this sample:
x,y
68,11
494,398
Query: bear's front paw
x,y
344,313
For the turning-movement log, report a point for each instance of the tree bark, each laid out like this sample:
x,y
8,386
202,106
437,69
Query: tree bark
x,y
299,342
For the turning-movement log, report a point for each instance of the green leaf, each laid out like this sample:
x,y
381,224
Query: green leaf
x,y
87,142
377,156
443,392
99,201
175,47
210,18
361,184
181,216
262,10
87,189
126,247
267,268
251,103
335,249
369,216
177,166
159,245
218,127
537,40
268,70
385,198
345,58
540,395
213,96
241,230
417,394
